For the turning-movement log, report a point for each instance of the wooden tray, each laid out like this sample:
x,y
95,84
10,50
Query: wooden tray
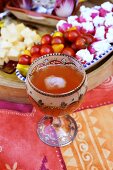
x,y
12,89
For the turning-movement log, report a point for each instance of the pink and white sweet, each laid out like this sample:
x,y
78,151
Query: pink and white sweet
x,y
97,21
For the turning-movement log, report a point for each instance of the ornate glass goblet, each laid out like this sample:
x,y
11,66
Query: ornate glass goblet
x,y
57,127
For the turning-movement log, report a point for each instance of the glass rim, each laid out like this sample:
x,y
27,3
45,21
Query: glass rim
x,y
51,94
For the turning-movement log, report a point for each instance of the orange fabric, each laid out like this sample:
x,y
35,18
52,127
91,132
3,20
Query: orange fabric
x,y
93,145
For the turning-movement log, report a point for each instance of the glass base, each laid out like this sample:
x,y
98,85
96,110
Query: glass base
x,y
57,131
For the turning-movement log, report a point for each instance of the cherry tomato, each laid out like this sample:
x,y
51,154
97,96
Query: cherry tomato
x,y
80,43
89,38
72,28
57,33
58,48
73,46
34,57
57,40
24,59
46,49
27,52
68,51
66,35
35,49
71,35
46,39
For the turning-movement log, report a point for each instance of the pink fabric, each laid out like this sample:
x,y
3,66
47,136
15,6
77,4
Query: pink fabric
x,y
21,148
101,95
16,106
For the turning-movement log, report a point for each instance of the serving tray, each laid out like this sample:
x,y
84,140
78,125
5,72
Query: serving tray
x,y
35,17
13,89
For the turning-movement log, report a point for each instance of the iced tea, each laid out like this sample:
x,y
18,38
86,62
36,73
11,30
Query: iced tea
x,y
56,80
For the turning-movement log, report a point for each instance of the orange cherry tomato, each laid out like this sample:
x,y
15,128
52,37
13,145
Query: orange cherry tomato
x,y
58,48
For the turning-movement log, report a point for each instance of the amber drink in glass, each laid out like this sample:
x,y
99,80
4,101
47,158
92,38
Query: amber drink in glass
x,y
56,84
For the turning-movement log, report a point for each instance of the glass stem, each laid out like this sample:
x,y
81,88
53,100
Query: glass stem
x,y
56,122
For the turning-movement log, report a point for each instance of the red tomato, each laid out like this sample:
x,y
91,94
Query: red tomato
x,y
66,35
46,39
46,49
73,46
72,35
68,51
89,38
80,43
34,57
24,59
35,49
57,40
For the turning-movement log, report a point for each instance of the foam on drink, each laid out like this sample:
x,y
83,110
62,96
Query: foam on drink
x,y
52,82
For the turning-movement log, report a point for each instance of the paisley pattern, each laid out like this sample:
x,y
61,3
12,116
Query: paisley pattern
x,y
108,84
92,147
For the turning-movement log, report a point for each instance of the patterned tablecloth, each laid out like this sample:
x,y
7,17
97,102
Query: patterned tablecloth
x,y
92,149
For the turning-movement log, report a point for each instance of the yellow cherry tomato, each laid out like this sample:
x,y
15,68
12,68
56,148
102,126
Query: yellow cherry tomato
x,y
27,52
72,28
57,33
23,69
58,48
1,24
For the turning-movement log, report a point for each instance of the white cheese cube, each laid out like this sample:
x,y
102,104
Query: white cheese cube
x,y
20,46
28,42
6,59
5,44
3,53
1,62
13,54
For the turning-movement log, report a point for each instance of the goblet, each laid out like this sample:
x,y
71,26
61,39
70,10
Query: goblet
x,y
49,84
